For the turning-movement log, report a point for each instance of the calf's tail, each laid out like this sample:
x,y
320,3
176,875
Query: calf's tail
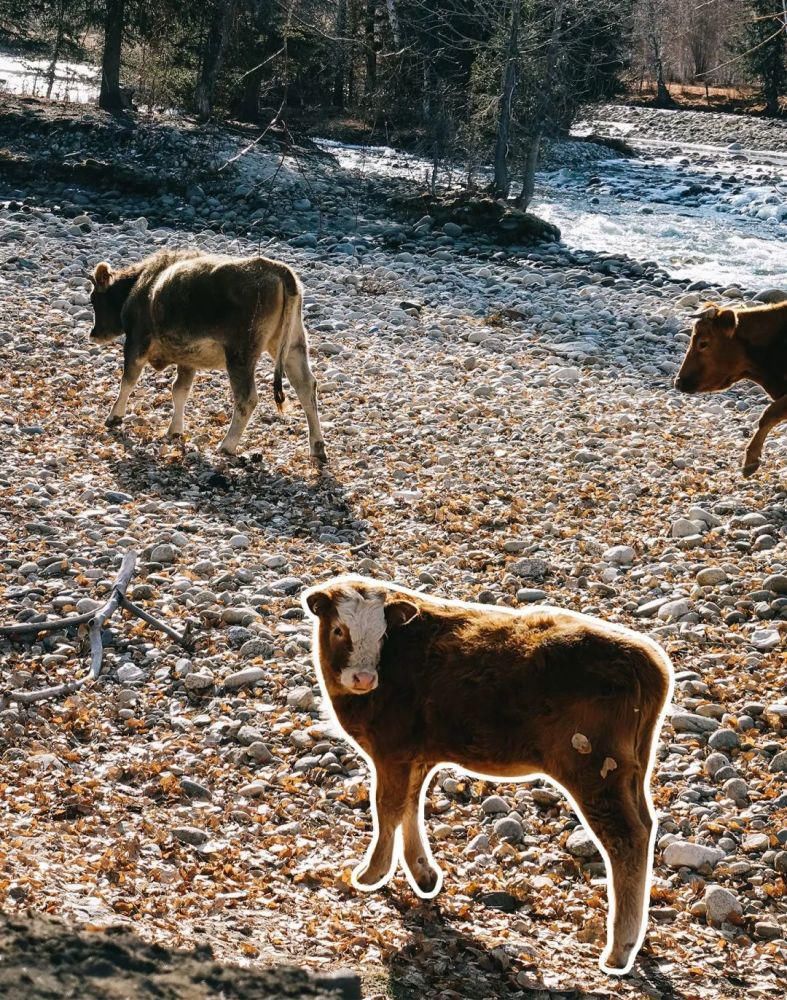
x,y
290,311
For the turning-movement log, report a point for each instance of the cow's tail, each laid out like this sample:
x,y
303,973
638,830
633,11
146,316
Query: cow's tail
x,y
290,311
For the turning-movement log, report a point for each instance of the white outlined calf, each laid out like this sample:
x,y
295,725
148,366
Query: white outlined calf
x,y
502,694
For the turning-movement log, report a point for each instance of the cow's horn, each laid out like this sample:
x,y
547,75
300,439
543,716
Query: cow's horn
x,y
705,313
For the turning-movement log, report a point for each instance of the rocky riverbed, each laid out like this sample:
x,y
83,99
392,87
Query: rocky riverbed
x,y
500,427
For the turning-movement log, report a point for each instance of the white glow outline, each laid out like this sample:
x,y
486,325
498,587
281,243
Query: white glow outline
x,y
397,854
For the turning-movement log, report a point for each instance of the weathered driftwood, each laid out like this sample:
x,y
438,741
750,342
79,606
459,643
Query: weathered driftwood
x,y
97,619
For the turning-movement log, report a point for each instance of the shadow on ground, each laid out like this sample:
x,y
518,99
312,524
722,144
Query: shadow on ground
x,y
43,958
243,489
443,963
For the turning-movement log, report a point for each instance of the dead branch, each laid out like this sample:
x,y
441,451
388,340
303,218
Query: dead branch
x,y
96,619
135,609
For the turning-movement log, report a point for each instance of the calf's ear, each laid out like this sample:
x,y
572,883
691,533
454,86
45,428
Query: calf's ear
x,y
398,613
726,321
319,603
102,276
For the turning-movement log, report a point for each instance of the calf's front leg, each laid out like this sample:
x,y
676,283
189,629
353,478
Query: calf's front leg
x,y
417,856
392,786
181,388
133,363
240,369
771,416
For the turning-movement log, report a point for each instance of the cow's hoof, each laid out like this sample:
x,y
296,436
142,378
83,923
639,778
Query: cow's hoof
x,y
750,468
366,877
175,435
113,421
426,878
225,450
618,961
318,457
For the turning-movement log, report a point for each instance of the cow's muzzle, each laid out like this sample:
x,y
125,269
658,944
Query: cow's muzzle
x,y
684,384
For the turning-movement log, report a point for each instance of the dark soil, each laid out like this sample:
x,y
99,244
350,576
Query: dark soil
x,y
41,958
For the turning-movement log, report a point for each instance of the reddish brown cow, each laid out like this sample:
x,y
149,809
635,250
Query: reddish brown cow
x,y
728,345
418,683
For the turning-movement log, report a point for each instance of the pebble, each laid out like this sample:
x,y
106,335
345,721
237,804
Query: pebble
x,y
494,804
301,698
581,844
259,752
688,722
724,739
621,555
164,553
245,678
711,576
190,835
721,905
685,854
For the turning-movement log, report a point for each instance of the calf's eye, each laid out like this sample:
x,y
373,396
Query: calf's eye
x,y
338,632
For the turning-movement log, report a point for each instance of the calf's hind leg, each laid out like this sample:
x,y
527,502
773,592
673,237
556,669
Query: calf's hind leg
x,y
393,783
240,369
296,365
181,388
618,816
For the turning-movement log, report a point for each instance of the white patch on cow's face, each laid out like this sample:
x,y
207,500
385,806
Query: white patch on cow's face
x,y
365,621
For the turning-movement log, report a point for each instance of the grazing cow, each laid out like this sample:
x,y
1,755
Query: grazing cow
x,y
728,345
418,683
206,312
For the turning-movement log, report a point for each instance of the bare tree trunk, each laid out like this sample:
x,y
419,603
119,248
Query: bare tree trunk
x,y
502,182
371,47
212,53
341,54
50,73
542,110
393,20
663,98
529,173
110,98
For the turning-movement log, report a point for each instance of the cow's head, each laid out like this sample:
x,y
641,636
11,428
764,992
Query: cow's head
x,y
353,620
714,359
107,299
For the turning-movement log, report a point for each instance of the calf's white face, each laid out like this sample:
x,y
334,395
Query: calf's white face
x,y
364,620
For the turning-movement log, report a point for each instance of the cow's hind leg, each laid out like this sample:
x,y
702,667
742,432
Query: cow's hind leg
x,y
618,815
240,369
133,363
393,784
416,851
296,365
771,416
181,388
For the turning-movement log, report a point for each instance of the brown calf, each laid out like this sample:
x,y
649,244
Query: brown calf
x,y
728,345
418,683
206,312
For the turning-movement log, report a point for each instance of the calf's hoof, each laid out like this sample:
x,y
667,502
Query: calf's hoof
x,y
225,449
318,457
749,468
112,421
427,879
366,877
619,959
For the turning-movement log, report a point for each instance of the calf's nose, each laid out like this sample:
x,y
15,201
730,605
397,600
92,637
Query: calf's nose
x,y
364,681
